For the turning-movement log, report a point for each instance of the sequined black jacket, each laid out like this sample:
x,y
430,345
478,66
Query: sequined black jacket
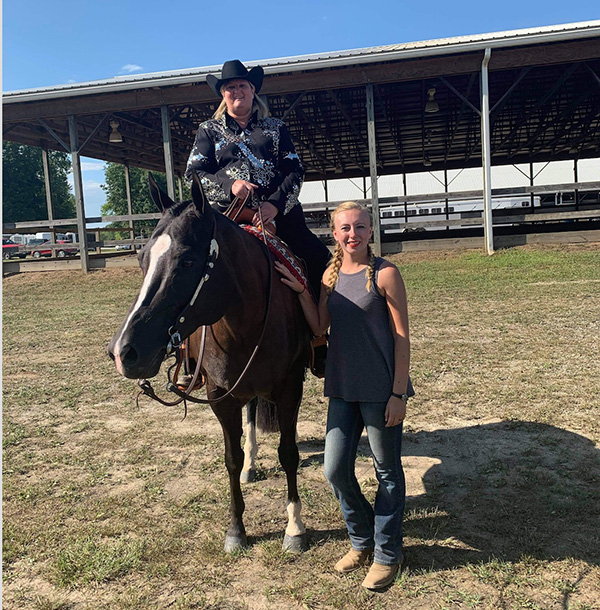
x,y
263,153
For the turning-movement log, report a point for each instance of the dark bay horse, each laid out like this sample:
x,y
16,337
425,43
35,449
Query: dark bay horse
x,y
201,269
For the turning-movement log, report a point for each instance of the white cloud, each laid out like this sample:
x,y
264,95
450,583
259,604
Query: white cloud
x,y
129,68
89,186
92,166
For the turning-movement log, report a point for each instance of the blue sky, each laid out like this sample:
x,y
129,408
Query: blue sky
x,y
48,43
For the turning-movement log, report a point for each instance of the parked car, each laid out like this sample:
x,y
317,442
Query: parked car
x,y
10,250
60,252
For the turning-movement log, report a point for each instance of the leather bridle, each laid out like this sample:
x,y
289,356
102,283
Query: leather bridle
x,y
175,340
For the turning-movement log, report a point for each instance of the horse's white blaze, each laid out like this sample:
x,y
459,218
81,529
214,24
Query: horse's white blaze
x,y
295,526
159,249
250,447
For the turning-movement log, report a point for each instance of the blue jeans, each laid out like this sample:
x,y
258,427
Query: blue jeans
x,y
379,526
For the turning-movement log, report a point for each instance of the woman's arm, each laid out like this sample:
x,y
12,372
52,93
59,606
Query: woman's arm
x,y
202,161
391,286
317,316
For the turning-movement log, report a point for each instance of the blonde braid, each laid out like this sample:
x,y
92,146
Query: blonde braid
x,y
334,268
370,269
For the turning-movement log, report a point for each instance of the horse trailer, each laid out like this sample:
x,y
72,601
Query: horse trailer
x,y
408,217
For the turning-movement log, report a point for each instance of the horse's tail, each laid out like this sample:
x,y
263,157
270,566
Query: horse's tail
x,y
266,416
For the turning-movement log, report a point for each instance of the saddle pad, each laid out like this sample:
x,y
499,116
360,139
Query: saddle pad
x,y
283,253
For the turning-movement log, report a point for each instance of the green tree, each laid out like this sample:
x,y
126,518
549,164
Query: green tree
x,y
141,203
23,190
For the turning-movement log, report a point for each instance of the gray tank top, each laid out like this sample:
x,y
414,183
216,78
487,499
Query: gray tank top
x,y
360,357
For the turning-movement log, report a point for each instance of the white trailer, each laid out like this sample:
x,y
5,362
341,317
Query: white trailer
x,y
402,218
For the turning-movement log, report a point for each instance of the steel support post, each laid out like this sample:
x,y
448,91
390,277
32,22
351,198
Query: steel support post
x,y
488,228
168,149
531,179
180,187
406,195
576,176
129,204
373,169
79,205
48,189
446,199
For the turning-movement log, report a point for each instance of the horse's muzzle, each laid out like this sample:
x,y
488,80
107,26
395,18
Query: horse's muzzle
x,y
130,365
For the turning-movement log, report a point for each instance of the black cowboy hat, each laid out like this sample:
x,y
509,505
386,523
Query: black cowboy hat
x,y
236,69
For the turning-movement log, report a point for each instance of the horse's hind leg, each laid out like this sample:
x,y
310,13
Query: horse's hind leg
x,y
229,414
250,446
295,533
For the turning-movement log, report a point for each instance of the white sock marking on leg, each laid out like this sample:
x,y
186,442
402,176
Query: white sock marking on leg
x,y
250,448
295,526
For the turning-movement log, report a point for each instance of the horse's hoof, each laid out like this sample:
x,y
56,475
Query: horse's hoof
x,y
295,544
248,476
235,543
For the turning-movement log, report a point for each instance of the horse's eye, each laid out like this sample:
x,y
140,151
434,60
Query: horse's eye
x,y
187,263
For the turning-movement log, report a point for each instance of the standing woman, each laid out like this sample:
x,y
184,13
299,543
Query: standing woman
x,y
242,152
363,301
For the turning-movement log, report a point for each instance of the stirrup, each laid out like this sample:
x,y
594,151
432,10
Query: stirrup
x,y
183,383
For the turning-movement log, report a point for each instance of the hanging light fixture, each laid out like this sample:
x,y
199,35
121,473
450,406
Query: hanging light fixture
x,y
426,160
115,137
431,105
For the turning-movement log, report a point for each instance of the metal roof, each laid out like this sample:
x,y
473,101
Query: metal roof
x,y
544,100
457,44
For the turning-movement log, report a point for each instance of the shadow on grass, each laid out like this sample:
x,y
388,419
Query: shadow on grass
x,y
503,490
314,536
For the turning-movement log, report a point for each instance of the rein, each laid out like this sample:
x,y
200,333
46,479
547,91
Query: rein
x,y
175,340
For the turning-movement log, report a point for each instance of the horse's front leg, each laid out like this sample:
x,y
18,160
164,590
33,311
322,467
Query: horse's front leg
x,y
295,540
229,414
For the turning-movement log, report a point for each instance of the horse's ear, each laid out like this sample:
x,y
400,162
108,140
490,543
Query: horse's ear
x,y
161,199
198,196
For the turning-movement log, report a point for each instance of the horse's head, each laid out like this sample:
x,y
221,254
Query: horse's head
x,y
181,290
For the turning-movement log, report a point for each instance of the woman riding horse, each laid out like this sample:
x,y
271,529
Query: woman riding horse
x,y
242,152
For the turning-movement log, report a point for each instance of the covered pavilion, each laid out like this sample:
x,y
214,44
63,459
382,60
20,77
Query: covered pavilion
x,y
517,97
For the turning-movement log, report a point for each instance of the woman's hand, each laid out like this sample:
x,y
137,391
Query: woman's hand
x,y
243,188
317,316
268,211
395,411
289,279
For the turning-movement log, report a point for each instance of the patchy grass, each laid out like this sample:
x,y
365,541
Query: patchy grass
x,y
107,505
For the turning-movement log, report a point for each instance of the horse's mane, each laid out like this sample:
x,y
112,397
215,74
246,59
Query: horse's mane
x,y
179,207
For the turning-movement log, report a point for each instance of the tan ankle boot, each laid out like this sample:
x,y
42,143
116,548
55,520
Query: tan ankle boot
x,y
353,560
380,576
